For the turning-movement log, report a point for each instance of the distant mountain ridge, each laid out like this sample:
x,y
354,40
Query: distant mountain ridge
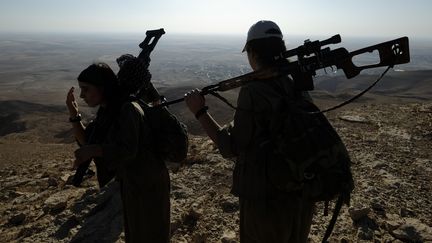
x,y
399,84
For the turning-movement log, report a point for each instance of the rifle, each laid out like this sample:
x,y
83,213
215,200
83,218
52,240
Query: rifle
x,y
147,46
133,73
311,56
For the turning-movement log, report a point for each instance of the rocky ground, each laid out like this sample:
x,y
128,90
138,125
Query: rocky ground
x,y
390,145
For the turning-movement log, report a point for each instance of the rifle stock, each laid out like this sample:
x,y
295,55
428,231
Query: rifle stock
x,y
390,53
146,46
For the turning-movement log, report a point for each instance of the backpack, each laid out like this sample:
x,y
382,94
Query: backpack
x,y
170,137
306,155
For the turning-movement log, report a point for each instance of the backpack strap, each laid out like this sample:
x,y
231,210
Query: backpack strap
x,y
332,223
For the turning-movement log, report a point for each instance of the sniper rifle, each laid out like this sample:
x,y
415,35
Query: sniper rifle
x,y
311,56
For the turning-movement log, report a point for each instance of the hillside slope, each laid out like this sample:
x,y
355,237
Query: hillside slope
x,y
392,201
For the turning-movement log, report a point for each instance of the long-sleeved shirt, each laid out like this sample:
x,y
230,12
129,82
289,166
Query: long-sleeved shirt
x,y
127,148
243,138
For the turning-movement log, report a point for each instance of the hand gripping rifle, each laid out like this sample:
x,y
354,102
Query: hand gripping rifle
x,y
147,46
311,56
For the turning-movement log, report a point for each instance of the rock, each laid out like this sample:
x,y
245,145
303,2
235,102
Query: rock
x,y
39,184
15,181
191,218
377,234
379,164
11,194
52,182
45,175
179,194
229,205
54,206
58,201
365,234
354,118
20,200
17,219
396,132
407,233
413,231
357,214
183,190
404,212
228,236
176,224
25,232
344,240
392,225
425,108
199,238
182,240
371,190
378,208
66,177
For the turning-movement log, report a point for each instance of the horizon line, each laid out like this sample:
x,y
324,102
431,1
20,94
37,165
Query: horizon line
x,y
203,34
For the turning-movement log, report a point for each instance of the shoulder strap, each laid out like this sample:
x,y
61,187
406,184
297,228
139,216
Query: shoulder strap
x,y
332,223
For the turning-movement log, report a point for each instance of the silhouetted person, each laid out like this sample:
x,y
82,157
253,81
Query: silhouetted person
x,y
119,142
266,214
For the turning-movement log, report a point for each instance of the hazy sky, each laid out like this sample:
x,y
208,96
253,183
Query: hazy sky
x,y
389,18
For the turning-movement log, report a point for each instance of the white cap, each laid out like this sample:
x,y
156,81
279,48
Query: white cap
x,y
263,29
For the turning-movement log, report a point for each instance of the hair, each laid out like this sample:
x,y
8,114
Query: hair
x,y
266,49
102,76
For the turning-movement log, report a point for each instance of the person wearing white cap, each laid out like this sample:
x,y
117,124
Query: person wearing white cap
x,y
266,214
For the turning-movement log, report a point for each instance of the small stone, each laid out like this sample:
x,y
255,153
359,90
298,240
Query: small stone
x,y
52,182
378,165
175,226
17,219
55,208
179,194
357,214
229,206
378,208
25,232
228,236
392,225
365,234
45,175
404,212
344,240
191,218
65,177
199,238
354,118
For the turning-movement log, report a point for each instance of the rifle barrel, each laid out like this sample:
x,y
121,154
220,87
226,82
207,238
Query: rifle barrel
x,y
170,103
